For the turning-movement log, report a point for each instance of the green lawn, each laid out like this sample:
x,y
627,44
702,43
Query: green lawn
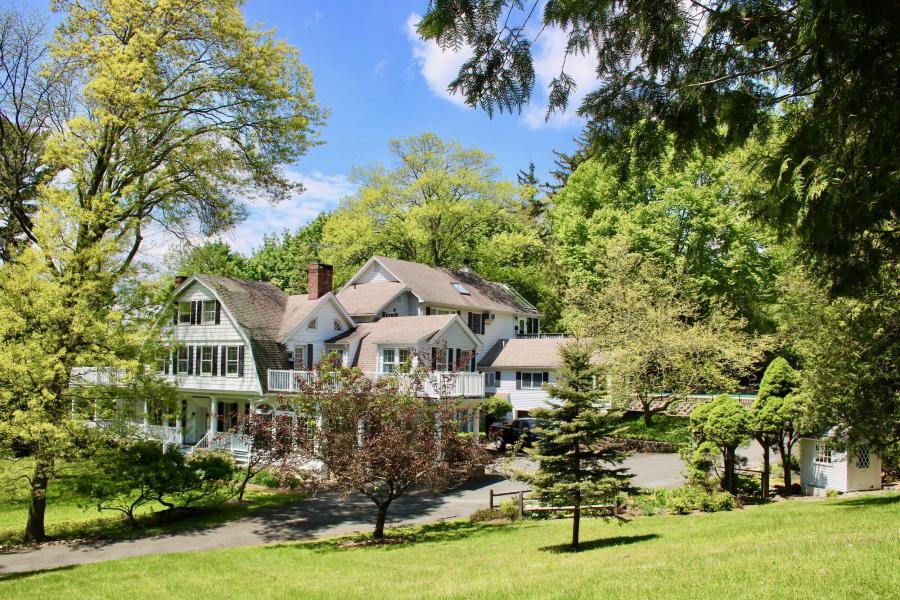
x,y
665,428
69,518
842,548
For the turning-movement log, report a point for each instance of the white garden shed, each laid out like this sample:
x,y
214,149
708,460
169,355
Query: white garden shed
x,y
823,467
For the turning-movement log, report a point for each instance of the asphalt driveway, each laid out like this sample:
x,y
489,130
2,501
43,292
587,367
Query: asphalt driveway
x,y
320,516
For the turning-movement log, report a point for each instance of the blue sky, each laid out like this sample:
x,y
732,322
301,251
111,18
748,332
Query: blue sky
x,y
379,81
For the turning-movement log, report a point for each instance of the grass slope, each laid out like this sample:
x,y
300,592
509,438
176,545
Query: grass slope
x,y
70,516
839,548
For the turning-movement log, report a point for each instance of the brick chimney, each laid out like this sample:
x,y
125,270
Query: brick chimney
x,y
320,280
179,279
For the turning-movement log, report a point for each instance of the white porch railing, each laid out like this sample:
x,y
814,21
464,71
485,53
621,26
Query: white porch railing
x,y
540,336
434,385
96,376
167,434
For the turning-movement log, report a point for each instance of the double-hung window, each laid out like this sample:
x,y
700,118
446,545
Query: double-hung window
x,y
209,312
206,360
823,453
476,324
184,313
231,361
532,381
183,359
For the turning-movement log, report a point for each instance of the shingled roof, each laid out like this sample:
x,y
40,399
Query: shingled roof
x,y
265,313
539,353
434,285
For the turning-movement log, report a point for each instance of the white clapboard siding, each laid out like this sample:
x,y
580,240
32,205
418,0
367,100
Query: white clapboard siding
x,y
404,305
501,328
225,332
325,315
842,474
528,399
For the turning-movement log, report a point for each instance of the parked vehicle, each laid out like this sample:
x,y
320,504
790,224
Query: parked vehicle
x,y
511,433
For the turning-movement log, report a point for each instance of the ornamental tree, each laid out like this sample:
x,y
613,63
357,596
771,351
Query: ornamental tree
x,y
271,441
576,460
725,423
777,413
382,438
182,109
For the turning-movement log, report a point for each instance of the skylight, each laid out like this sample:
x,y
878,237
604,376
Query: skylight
x,y
460,288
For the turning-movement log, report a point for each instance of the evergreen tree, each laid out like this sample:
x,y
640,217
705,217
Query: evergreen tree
x,y
574,458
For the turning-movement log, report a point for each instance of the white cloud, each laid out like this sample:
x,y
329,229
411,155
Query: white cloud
x,y
548,60
437,66
440,67
322,192
313,19
379,67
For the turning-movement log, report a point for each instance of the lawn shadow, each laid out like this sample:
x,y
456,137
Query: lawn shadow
x,y
399,537
26,574
869,500
619,540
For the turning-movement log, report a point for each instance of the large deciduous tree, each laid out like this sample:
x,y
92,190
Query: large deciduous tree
x,y
711,73
180,109
684,212
434,205
576,460
658,347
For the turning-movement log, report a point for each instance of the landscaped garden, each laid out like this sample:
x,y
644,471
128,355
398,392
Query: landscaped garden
x,y
838,548
663,428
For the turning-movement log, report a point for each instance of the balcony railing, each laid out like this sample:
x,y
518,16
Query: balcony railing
x,y
435,385
540,336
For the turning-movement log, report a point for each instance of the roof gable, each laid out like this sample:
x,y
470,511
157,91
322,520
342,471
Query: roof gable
x,y
445,287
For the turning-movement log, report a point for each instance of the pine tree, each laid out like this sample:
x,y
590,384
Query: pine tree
x,y
575,462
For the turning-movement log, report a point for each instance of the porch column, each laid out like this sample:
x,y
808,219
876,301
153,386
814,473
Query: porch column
x,y
213,416
476,423
469,428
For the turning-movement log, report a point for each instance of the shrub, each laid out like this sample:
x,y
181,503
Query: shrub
x,y
508,509
129,474
689,498
265,478
649,501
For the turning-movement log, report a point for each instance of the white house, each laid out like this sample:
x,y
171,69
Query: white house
x,y
823,468
517,370
237,345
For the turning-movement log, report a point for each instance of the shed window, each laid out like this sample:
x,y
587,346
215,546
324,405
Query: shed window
x,y
862,457
823,454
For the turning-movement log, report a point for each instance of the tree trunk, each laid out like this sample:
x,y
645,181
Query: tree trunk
x,y
576,522
248,474
729,470
379,523
764,478
648,414
37,506
785,454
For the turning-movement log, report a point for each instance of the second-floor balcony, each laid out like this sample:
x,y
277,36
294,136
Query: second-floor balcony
x,y
436,384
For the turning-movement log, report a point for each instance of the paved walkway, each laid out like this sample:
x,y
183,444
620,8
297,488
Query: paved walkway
x,y
322,516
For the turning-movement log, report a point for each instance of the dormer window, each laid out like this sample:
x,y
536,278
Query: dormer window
x,y
313,323
184,313
460,288
209,312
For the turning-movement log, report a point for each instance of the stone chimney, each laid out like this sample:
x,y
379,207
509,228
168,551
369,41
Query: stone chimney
x,y
179,279
320,280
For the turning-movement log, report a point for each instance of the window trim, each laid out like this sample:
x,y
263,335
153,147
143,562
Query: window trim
x,y
184,318
204,360
182,370
823,454
229,361
204,311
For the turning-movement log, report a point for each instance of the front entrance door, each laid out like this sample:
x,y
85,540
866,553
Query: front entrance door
x,y
196,421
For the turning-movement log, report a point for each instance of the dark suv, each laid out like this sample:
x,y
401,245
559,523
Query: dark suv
x,y
510,433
